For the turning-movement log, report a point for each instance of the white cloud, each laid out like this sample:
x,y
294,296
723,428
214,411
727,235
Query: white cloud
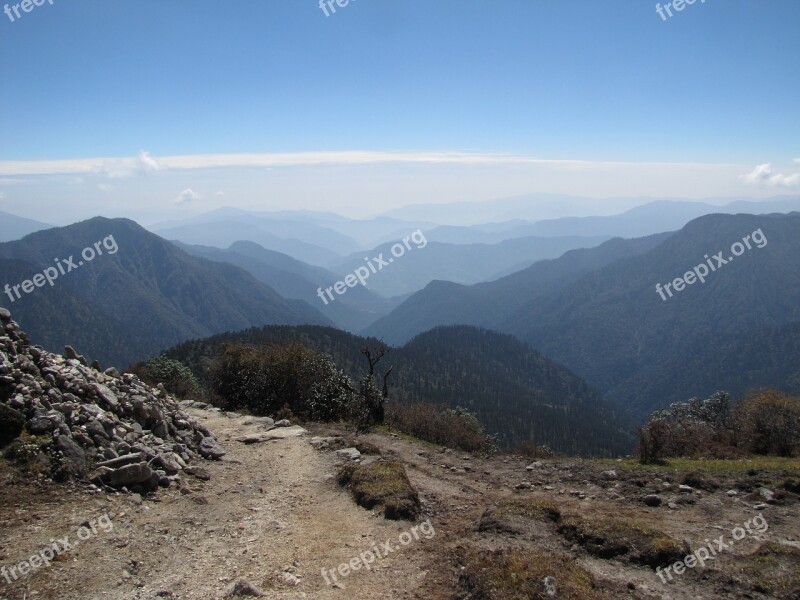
x,y
763,175
797,161
186,195
113,168
145,163
2,195
104,187
220,193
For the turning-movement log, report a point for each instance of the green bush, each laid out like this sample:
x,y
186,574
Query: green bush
x,y
177,378
368,407
265,380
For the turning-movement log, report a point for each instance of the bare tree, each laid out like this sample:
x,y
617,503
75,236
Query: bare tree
x,y
374,408
386,382
374,360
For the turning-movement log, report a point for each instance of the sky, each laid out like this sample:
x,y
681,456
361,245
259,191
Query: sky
x,y
160,110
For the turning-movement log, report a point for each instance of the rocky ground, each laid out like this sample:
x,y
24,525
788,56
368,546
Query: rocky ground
x,y
269,517
60,415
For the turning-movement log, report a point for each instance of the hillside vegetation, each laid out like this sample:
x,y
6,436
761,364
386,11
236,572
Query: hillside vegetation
x,y
517,394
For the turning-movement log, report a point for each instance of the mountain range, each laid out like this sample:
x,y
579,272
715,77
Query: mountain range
x,y
295,279
598,312
145,297
587,302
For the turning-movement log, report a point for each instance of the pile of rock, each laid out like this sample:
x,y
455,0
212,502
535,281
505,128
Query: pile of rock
x,y
80,423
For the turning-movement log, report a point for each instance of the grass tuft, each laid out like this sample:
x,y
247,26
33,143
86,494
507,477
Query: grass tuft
x,y
384,485
611,538
520,574
773,569
515,515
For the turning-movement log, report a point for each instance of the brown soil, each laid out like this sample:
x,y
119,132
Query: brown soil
x,y
273,514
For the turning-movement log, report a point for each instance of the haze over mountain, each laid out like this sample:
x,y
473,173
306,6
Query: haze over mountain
x,y
529,207
488,304
13,227
475,254
133,303
298,280
339,234
659,216
610,326
463,263
225,232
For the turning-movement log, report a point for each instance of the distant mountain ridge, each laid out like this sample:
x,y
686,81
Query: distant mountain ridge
x,y
605,321
656,217
147,296
13,227
489,304
550,210
462,263
295,279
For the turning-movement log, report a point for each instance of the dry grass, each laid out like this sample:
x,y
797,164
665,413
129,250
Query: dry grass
x,y
384,485
520,574
773,569
610,538
518,516
712,466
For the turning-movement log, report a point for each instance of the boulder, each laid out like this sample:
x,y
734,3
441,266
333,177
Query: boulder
x,y
349,453
127,475
652,500
74,456
209,448
12,423
107,398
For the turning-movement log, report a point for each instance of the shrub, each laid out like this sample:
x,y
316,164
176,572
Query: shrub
x,y
768,422
266,379
456,428
528,449
697,428
177,378
368,409
653,441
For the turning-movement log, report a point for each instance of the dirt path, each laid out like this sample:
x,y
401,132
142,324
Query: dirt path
x,y
272,514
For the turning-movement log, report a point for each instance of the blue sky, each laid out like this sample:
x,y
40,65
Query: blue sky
x,y
635,105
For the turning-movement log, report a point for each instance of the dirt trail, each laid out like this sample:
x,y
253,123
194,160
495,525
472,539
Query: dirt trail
x,y
272,514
